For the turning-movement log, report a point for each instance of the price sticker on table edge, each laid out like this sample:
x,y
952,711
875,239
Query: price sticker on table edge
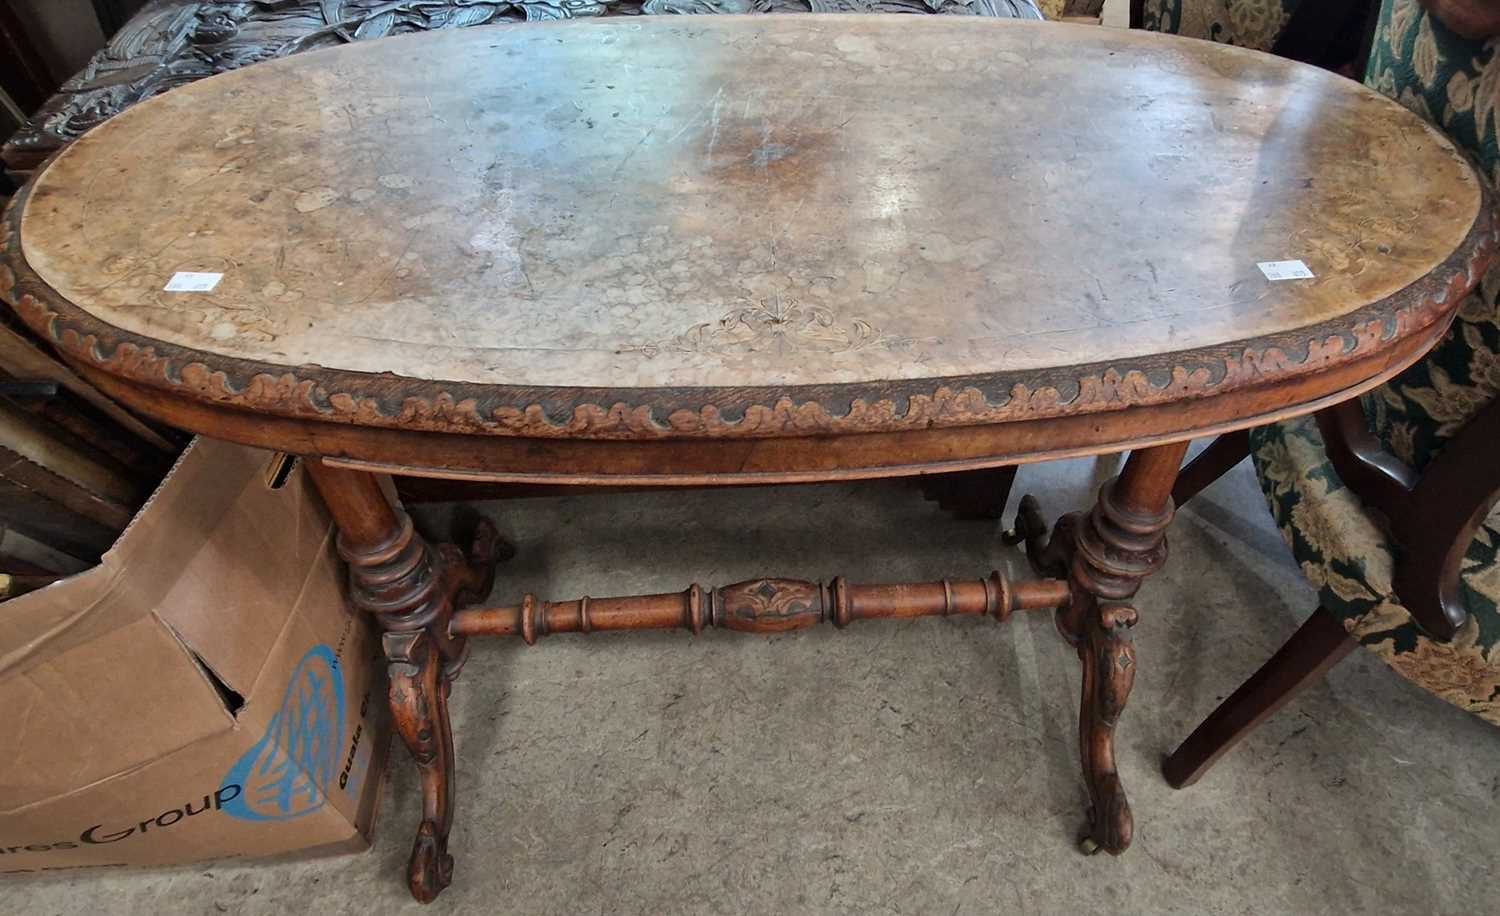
x,y
1284,270
187,281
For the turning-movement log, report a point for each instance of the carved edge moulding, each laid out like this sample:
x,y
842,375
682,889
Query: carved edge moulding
x,y
390,401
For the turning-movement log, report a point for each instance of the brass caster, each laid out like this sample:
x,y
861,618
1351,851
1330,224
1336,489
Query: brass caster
x,y
1089,846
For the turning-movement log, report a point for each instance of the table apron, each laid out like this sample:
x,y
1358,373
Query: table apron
x,y
696,462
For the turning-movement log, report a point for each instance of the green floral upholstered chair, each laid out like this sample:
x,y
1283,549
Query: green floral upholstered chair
x,y
1419,582
1246,23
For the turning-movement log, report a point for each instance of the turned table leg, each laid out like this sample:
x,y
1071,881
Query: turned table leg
x,y
1113,548
412,589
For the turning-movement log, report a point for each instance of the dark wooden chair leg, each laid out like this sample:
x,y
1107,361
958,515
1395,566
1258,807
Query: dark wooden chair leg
x,y
971,495
1210,464
1317,646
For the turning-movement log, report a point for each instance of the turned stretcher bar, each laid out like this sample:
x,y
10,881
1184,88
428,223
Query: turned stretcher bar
x,y
762,606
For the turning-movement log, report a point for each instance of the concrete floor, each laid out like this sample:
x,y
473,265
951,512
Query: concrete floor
x,y
923,767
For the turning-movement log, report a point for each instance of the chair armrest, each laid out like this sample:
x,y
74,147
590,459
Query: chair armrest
x,y
1457,490
1380,480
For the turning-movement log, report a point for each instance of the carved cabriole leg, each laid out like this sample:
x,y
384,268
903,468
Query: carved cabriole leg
x,y
1120,542
411,589
419,709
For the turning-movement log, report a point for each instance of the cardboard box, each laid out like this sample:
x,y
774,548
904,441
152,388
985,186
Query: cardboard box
x,y
204,692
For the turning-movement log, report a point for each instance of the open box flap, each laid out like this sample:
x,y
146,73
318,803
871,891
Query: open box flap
x,y
100,710
143,566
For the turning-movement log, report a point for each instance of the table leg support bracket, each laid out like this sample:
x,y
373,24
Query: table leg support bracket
x,y
763,606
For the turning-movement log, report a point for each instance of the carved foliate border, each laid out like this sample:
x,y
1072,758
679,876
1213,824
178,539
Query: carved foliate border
x,y
391,401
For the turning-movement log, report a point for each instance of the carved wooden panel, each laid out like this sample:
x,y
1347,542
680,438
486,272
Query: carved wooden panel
x,y
173,42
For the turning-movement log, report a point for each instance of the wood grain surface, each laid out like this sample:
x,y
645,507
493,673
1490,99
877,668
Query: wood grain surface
x,y
170,43
909,221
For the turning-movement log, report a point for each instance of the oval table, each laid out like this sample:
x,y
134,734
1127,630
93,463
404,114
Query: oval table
x,y
747,250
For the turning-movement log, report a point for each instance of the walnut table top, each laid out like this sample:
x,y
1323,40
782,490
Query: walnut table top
x,y
752,227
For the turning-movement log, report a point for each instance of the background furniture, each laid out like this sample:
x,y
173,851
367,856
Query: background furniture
x,y
1390,506
114,14
1333,34
74,465
1246,23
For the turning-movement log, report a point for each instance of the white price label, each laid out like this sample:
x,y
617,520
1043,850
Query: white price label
x,y
187,281
1285,270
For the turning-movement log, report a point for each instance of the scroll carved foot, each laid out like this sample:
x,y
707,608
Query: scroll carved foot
x,y
411,589
1108,553
482,548
1101,634
1108,661
419,704
423,665
431,867
1048,556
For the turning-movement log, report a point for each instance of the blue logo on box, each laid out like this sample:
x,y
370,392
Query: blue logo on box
x,y
287,773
